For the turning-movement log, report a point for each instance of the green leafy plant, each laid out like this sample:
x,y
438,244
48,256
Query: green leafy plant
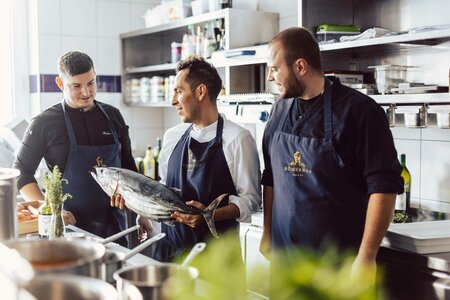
x,y
53,186
298,274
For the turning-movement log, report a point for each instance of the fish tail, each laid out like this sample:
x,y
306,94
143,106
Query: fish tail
x,y
208,214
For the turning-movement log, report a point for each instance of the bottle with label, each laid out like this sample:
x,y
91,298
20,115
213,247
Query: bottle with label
x,y
156,157
402,203
44,219
149,162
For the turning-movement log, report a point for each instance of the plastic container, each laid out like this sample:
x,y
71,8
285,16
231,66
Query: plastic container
x,y
176,52
177,9
328,32
389,76
199,7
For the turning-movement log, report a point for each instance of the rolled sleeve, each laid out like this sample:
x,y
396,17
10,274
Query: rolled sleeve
x,y
246,176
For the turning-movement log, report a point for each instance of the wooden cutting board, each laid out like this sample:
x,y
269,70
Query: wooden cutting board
x,y
30,226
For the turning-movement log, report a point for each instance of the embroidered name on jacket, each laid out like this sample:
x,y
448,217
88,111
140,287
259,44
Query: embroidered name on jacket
x,y
192,163
296,167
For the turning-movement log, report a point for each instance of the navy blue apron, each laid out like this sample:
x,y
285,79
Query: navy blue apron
x,y
315,204
89,203
201,172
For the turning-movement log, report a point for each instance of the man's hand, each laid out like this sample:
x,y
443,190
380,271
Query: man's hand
x,y
69,218
265,245
146,228
117,201
188,219
364,267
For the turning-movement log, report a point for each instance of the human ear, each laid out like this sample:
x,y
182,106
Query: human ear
x,y
59,83
300,66
201,91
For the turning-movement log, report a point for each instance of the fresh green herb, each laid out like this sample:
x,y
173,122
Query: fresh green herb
x,y
53,186
402,217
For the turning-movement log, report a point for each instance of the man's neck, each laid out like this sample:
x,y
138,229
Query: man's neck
x,y
315,87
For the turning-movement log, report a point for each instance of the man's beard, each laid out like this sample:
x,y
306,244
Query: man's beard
x,y
293,88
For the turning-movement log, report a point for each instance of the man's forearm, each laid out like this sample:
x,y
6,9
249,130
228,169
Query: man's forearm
x,y
379,214
31,191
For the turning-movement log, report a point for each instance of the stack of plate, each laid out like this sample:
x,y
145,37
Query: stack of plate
x,y
420,237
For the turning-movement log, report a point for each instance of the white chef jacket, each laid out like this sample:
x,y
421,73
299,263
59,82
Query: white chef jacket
x,y
241,156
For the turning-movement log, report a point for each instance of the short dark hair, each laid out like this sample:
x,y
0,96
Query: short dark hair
x,y
74,63
298,42
201,72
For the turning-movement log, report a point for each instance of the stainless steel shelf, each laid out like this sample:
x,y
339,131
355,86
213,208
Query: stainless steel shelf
x,y
219,14
149,104
154,68
425,37
443,98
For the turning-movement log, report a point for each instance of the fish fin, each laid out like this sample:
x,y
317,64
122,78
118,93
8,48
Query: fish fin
x,y
208,214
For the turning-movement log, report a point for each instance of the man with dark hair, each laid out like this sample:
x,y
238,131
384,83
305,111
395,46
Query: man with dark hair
x,y
71,135
341,189
204,159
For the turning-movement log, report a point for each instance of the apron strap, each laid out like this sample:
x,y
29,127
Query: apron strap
x,y
328,120
219,130
285,113
72,139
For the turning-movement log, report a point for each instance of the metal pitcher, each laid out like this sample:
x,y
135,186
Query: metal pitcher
x,y
8,206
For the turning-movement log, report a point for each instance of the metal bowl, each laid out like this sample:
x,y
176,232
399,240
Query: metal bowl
x,y
74,287
61,256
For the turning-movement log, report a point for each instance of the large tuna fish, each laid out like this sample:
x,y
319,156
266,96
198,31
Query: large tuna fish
x,y
149,198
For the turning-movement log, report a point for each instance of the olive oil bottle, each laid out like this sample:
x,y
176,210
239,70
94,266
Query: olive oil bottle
x,y
403,212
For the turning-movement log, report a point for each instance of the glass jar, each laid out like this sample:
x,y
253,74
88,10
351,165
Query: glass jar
x,y
58,228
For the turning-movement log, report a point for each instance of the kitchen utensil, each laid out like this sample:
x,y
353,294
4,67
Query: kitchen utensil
x,y
8,207
114,260
442,115
80,257
146,282
73,287
198,248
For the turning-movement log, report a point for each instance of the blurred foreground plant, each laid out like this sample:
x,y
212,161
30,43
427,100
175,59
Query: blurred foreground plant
x,y
297,275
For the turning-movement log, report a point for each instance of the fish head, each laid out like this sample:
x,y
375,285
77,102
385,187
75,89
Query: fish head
x,y
107,178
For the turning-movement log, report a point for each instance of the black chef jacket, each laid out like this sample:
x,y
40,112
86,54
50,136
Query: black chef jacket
x,y
46,137
361,137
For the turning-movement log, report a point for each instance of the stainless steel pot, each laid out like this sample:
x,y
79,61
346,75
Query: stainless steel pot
x,y
8,207
61,256
147,282
74,287
114,260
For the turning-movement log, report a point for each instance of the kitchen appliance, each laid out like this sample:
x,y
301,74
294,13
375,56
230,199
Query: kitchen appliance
x,y
250,237
8,207
251,111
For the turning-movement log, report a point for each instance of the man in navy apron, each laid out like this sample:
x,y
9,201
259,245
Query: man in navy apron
x,y
205,157
331,169
72,134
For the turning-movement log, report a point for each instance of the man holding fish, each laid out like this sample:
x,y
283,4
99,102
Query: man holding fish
x,y
202,159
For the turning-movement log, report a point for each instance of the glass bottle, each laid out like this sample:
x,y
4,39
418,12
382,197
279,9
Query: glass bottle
x,y
402,203
155,160
148,162
58,228
44,219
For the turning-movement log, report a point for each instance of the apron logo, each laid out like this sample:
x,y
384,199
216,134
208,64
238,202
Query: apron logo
x,y
192,163
296,167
